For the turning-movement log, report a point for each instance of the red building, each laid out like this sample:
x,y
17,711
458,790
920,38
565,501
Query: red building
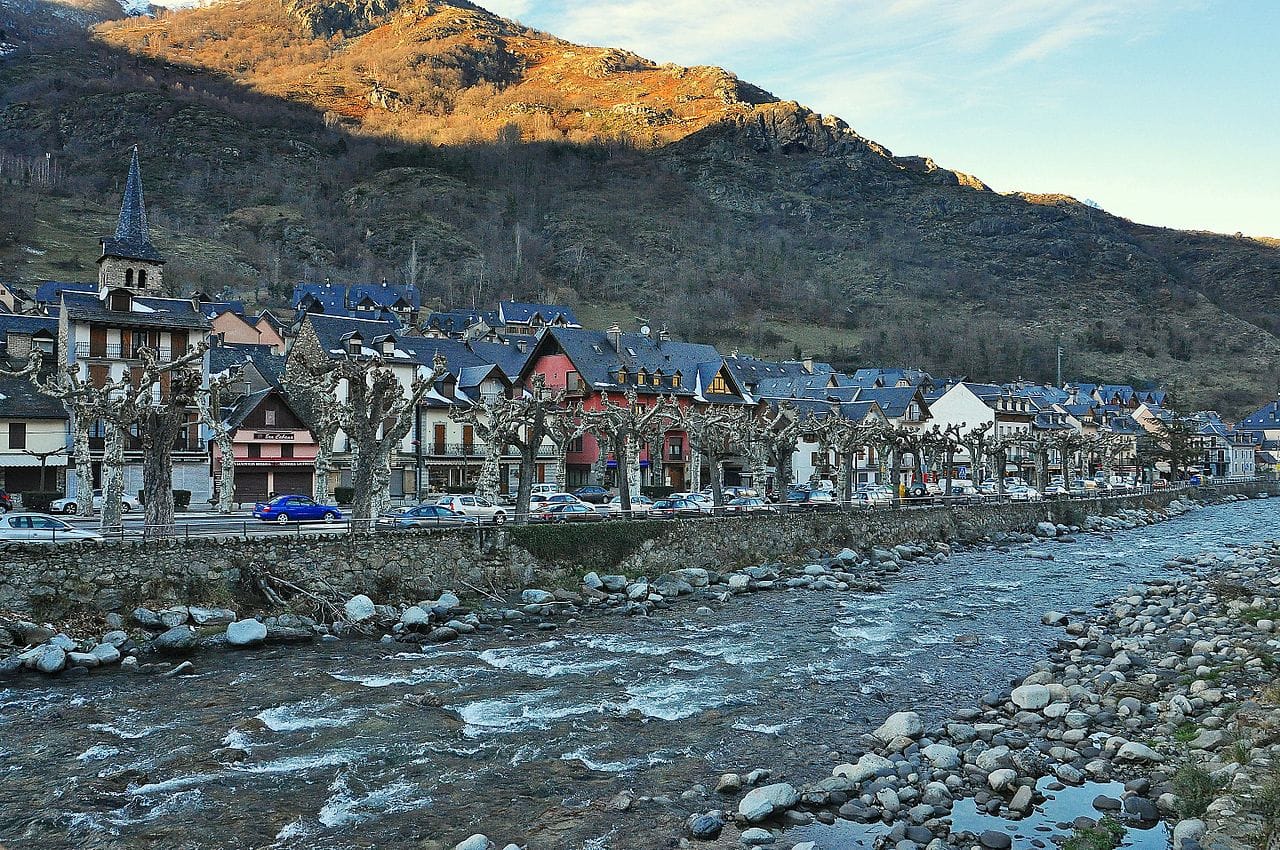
x,y
275,452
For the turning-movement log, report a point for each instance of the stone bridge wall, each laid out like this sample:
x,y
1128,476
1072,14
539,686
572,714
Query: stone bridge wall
x,y
52,582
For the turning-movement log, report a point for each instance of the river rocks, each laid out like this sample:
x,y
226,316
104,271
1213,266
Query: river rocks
x,y
147,618
995,840
903,724
478,841
729,783
415,617
536,597
942,756
442,634
1031,697
1046,529
445,605
246,633
359,609
50,659
1134,751
614,583
1001,779
760,803
756,837
1190,829
116,638
868,766
178,640
705,826
106,653
211,616
82,659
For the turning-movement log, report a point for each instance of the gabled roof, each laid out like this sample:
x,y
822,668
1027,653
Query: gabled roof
x,y
507,354
456,322
524,312
27,323
894,401
890,377
51,290
132,241
212,309
334,331
147,311
1266,417
229,355
340,299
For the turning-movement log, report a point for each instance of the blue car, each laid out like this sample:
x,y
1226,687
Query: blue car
x,y
295,508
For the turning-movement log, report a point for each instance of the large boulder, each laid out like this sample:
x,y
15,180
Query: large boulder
x,y
212,616
903,724
760,803
868,766
536,597
415,617
178,640
106,653
1031,697
51,659
359,609
1133,751
942,756
246,633
475,842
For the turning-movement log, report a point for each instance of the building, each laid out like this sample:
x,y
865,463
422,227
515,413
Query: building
x,y
378,301
33,438
275,451
105,330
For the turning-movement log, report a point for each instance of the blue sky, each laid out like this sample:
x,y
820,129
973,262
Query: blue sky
x,y
1163,111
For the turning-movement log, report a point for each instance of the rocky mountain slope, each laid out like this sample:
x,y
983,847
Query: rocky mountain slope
x,y
305,138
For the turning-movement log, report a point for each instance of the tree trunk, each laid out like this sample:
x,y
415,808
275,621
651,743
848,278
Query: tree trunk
x,y
782,471
157,482
717,481
528,468
112,478
759,465
633,471
227,472
842,478
324,453
951,469
362,484
380,485
622,456
695,468
562,465
84,465
490,472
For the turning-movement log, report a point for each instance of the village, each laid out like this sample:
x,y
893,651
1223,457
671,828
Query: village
x,y
358,395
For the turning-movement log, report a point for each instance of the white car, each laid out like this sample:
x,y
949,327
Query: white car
x,y
42,528
1023,494
702,500
639,505
479,507
71,504
540,502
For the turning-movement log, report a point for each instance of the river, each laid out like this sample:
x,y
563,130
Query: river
x,y
538,732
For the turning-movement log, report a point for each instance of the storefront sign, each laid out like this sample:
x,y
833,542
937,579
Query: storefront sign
x,y
273,436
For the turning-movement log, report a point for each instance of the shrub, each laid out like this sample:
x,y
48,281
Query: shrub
x,y
1266,802
39,500
597,546
1195,790
1186,732
181,500
344,495
1107,835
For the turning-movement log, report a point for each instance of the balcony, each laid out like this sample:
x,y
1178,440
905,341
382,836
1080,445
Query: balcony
x,y
115,351
476,450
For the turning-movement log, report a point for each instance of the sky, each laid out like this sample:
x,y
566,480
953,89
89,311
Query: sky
x,y
1166,112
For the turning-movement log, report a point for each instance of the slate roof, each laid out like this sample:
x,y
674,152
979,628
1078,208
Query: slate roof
x,y
455,322
890,377
523,312
147,312
244,406
333,332
232,354
132,241
50,291
507,354
894,401
1266,417
27,323
212,309
598,362
341,299
19,399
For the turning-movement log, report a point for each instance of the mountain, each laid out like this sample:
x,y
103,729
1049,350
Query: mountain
x,y
285,139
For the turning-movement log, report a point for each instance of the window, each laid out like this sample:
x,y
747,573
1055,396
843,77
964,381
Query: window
x,y
622,376
719,385
675,449
255,450
286,450
675,380
17,435
642,378
142,278
575,445
269,416
128,277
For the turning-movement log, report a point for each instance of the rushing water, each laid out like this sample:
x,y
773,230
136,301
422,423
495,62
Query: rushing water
x,y
538,732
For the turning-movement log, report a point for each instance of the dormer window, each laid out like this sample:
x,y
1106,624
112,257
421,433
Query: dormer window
x,y
622,376
120,301
389,346
642,378
675,380
355,344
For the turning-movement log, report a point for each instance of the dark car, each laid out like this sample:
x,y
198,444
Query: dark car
x,y
427,516
671,508
593,493
811,500
750,505
568,513
295,508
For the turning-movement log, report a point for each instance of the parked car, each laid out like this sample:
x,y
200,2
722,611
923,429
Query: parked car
x,y
592,493
544,501
1054,491
1023,494
673,507
426,516
874,494
542,489
479,507
295,508
71,504
811,500
639,505
703,502
750,505
568,512
42,528
735,492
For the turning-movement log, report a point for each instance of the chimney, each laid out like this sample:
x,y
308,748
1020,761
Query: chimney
x,y
806,360
615,336
664,335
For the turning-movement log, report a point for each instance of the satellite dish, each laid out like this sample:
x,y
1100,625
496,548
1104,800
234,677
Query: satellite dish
x,y
644,329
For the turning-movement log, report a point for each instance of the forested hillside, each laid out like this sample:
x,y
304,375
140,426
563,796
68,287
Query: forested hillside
x,y
283,141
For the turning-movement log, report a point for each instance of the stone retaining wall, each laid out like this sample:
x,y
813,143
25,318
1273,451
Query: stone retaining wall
x,y
52,582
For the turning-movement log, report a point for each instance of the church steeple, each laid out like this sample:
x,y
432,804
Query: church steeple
x,y
128,258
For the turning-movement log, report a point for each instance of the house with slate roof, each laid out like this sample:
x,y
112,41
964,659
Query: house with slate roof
x,y
383,301
275,451
33,438
587,364
529,318
105,330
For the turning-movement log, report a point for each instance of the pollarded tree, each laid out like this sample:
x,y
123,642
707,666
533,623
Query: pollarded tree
x,y
976,442
213,403
846,439
562,429
497,422
313,396
774,433
537,412
162,413
948,440
721,432
623,428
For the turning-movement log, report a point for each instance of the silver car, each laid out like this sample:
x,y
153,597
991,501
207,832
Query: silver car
x,y
71,504
42,528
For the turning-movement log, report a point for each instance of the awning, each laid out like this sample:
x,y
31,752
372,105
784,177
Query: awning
x,y
13,461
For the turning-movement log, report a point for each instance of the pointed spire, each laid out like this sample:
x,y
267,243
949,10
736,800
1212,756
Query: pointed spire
x,y
132,239
132,227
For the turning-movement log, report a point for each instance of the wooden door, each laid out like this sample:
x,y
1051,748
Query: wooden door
x,y
97,341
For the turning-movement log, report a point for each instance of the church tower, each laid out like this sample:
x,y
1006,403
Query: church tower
x,y
129,260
